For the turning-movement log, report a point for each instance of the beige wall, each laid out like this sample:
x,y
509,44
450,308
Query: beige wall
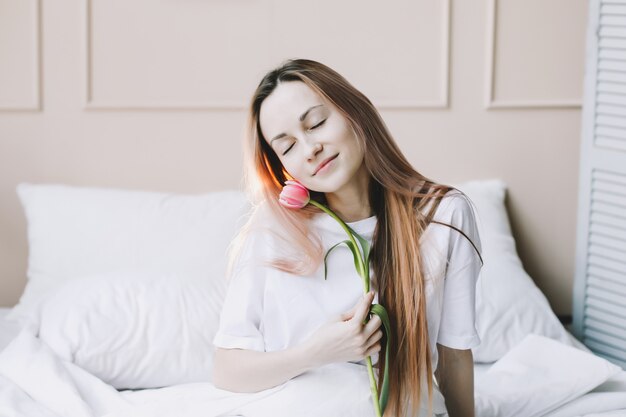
x,y
150,95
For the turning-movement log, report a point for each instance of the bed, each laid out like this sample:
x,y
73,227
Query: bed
x,y
8,329
124,293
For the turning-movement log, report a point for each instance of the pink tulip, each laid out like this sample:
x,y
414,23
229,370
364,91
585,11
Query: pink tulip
x,y
294,195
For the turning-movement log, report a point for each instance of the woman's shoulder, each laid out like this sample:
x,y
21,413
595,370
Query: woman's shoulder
x,y
455,206
457,210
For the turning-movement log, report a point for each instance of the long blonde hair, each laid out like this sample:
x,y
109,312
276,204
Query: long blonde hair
x,y
403,200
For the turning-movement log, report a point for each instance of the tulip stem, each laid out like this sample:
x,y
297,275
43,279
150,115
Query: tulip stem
x,y
364,273
364,270
374,387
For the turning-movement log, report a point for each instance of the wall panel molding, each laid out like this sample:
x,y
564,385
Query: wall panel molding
x,y
490,101
444,87
91,103
37,98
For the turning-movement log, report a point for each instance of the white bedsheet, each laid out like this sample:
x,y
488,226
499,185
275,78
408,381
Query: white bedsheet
x,y
8,330
36,383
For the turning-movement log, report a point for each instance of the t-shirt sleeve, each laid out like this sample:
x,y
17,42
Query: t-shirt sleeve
x,y
458,317
240,324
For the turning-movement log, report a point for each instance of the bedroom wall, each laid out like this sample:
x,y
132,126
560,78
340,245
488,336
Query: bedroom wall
x,y
150,94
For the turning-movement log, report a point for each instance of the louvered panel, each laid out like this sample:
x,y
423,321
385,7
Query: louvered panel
x,y
604,197
612,53
607,252
609,340
607,219
612,76
607,208
601,282
602,305
599,314
611,8
609,247
611,65
615,88
606,245
601,175
616,247
611,143
613,43
608,275
608,120
608,263
608,98
611,132
602,327
598,346
613,300
609,187
610,123
613,20
605,235
611,110
612,32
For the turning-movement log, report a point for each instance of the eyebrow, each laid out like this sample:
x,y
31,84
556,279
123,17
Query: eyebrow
x,y
302,117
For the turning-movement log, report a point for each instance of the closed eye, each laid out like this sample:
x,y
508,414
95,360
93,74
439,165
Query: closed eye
x,y
311,128
287,150
318,125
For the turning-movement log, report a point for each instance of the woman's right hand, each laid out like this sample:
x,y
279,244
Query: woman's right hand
x,y
345,338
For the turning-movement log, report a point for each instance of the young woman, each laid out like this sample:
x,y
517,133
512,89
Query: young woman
x,y
281,317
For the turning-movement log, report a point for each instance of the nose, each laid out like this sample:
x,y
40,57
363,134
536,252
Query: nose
x,y
315,149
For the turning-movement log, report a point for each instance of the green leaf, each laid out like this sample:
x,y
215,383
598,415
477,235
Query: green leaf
x,y
381,312
328,253
357,261
353,248
364,244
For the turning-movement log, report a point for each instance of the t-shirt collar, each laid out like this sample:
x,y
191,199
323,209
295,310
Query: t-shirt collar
x,y
364,227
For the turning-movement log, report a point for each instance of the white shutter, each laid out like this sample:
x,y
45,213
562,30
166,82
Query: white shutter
x,y
599,315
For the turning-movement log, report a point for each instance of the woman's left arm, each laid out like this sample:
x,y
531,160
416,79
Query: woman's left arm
x,y
455,376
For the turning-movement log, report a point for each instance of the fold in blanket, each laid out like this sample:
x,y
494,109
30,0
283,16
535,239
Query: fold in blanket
x,y
536,377
35,379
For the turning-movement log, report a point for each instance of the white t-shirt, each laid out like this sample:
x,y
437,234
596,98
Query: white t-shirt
x,y
267,310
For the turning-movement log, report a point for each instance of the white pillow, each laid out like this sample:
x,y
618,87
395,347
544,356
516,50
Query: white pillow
x,y
74,232
509,305
136,329
537,376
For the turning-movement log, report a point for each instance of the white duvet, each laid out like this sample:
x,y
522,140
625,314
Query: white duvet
x,y
538,377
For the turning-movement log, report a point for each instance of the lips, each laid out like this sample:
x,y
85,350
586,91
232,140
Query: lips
x,y
320,166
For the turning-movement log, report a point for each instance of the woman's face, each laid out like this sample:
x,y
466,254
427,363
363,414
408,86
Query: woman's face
x,y
312,139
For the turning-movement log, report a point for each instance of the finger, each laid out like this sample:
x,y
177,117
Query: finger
x,y
374,338
374,349
374,324
349,314
363,308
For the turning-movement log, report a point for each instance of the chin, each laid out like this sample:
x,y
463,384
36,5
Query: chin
x,y
327,187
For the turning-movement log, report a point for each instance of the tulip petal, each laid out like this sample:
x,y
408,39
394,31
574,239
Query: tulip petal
x,y
294,195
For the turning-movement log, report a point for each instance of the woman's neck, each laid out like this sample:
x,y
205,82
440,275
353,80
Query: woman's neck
x,y
351,202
